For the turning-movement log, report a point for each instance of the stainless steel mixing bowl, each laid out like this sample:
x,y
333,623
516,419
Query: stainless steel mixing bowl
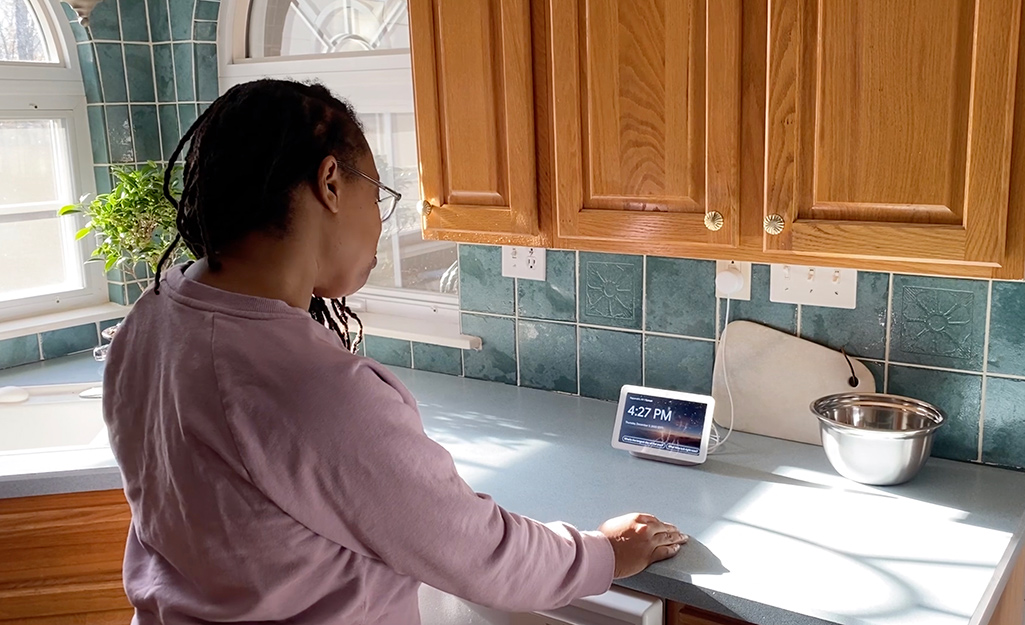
x,y
874,438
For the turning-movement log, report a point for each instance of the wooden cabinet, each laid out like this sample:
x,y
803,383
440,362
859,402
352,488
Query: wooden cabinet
x,y
473,83
646,117
884,134
61,559
682,614
889,127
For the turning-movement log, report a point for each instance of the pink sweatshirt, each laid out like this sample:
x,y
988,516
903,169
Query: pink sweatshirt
x,y
275,477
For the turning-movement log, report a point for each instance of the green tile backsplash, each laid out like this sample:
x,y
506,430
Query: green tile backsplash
x,y
940,322
599,321
687,316
389,351
437,358
496,361
547,355
862,331
554,299
611,290
608,360
480,278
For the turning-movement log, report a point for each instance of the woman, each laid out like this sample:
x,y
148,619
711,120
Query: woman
x,y
274,476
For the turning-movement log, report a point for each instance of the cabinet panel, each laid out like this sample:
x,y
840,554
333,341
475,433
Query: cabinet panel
x,y
889,127
473,85
682,614
646,119
61,559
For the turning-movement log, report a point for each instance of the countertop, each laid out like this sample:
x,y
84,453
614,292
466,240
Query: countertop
x,y
777,536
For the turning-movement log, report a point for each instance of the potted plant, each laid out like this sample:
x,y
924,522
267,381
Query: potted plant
x,y
134,223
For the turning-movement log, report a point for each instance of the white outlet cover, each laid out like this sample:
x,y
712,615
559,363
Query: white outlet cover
x,y
814,286
527,263
744,294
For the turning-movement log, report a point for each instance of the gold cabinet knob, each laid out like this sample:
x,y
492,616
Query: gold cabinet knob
x,y
774,224
714,221
426,208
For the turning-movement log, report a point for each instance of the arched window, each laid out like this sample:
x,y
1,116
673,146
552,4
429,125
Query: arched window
x,y
22,35
44,164
360,50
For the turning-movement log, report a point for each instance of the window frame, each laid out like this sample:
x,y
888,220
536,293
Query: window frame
x,y
384,80
56,90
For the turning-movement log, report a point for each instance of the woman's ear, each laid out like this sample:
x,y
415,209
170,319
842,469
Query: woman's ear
x,y
329,184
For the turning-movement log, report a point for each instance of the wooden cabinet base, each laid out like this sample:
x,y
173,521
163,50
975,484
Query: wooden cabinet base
x,y
1011,609
682,614
61,558
108,617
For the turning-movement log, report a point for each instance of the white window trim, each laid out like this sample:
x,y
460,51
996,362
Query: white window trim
x,y
63,319
56,89
382,80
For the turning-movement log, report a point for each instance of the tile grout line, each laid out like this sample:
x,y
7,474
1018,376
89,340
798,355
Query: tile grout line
x,y
595,326
889,334
679,336
985,370
800,315
128,91
576,312
153,68
644,319
912,365
516,323
39,345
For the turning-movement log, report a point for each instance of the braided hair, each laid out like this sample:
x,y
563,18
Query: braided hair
x,y
248,152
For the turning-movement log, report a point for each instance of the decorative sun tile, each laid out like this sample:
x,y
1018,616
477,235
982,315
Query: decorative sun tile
x,y
611,290
937,322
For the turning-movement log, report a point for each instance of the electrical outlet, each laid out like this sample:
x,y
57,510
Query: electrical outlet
x,y
744,294
523,262
814,286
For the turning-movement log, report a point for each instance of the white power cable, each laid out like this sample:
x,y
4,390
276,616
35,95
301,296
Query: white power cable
x,y
718,442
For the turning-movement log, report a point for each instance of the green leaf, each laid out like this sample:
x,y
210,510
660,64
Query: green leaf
x,y
81,234
70,209
111,261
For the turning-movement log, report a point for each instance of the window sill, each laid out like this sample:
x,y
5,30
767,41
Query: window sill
x,y
64,319
431,331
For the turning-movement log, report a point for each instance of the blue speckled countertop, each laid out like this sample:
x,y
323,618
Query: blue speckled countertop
x,y
777,536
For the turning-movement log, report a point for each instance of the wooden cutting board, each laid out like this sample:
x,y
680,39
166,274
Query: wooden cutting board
x,y
774,377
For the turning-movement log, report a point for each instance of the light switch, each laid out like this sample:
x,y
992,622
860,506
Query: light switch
x,y
814,286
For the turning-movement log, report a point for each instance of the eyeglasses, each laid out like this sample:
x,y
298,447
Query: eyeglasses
x,y
387,199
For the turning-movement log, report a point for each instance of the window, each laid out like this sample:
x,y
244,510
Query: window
x,y
22,37
360,50
308,27
42,133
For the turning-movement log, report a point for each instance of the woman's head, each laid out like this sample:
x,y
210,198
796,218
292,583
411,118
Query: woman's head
x,y
286,160
272,156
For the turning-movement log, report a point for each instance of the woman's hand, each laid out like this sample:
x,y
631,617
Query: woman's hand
x,y
640,539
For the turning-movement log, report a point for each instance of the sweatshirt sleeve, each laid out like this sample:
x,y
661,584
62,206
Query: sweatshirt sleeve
x,y
355,466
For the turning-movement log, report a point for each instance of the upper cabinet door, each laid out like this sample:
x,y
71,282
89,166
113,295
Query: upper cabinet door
x,y
473,85
889,126
646,122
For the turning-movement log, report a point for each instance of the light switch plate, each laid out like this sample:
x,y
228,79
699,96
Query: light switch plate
x,y
814,286
523,262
